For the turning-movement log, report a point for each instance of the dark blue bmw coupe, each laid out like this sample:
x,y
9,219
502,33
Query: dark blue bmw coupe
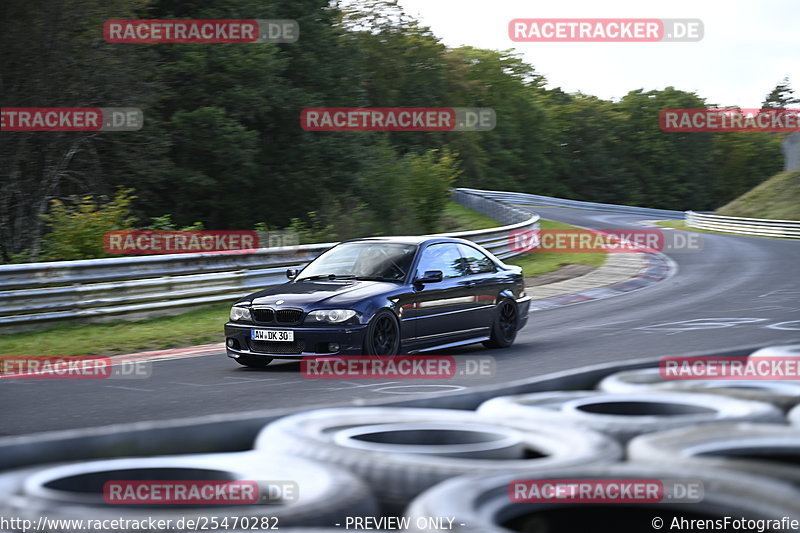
x,y
382,296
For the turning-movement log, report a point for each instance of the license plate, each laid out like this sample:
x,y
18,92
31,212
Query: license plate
x,y
273,335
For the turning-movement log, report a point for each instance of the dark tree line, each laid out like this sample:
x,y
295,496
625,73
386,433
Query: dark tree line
x,y
223,145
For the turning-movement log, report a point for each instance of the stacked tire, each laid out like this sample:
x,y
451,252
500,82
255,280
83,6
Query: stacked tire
x,y
739,439
754,449
783,394
76,490
626,415
400,452
483,505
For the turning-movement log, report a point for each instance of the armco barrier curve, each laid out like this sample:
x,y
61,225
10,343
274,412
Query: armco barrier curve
x,y
521,198
760,227
97,290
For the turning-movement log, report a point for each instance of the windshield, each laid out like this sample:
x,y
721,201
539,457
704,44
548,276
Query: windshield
x,y
362,260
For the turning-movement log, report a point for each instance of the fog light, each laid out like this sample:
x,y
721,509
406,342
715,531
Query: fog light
x,y
229,342
333,347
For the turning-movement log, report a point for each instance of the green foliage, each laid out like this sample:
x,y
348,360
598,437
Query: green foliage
x,y
222,146
781,97
165,223
406,195
77,228
669,170
429,178
313,230
743,160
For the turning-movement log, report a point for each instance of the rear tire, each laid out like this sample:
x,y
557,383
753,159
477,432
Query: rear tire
x,y
505,325
253,361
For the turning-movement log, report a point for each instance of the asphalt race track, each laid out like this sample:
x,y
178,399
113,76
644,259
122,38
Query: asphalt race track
x,y
739,291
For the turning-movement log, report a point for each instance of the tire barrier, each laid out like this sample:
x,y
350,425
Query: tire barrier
x,y
10,483
326,495
786,350
784,394
762,449
483,504
794,416
368,456
400,452
625,416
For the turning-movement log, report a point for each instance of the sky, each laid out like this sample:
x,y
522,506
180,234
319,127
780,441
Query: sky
x,y
749,46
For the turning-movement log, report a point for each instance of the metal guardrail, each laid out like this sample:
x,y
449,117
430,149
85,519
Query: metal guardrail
x,y
97,290
746,226
521,198
760,227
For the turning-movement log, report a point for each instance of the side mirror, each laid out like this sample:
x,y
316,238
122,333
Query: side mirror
x,y
430,276
291,273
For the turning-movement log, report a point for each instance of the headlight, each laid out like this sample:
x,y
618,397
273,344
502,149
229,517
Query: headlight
x,y
240,313
330,316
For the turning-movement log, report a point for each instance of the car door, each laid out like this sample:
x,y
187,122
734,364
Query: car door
x,y
484,283
440,310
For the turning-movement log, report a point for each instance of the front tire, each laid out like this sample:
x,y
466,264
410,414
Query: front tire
x,y
253,361
383,335
505,325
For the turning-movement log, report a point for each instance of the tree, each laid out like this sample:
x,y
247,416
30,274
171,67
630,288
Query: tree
x,y
669,170
743,160
780,97
430,176
591,158
516,154
53,56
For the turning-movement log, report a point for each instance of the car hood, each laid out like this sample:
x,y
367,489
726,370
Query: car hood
x,y
313,294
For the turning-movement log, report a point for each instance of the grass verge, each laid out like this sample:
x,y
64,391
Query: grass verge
x,y
456,217
537,264
681,224
201,326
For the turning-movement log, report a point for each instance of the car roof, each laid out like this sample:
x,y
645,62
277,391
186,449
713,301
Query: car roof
x,y
410,239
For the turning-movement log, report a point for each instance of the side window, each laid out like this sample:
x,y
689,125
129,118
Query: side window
x,y
444,257
475,261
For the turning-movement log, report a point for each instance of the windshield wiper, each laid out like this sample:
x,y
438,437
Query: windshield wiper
x,y
328,276
376,278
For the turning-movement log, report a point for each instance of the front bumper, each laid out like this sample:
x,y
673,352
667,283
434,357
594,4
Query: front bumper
x,y
523,308
308,342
